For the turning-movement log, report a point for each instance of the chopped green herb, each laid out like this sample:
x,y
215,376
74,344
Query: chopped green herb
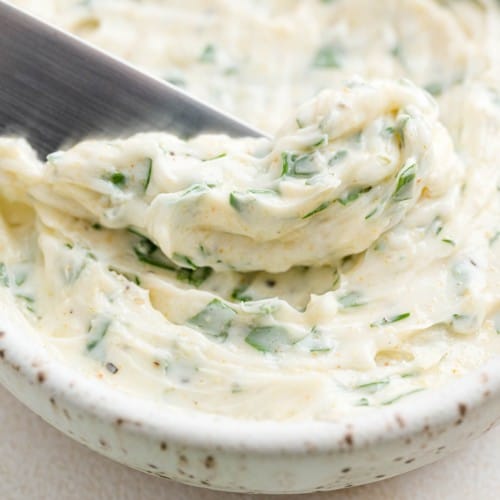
x,y
495,238
401,396
398,131
269,338
390,319
369,215
208,54
448,242
372,387
149,171
239,293
214,320
353,195
184,261
194,277
321,141
434,88
4,277
337,157
73,271
97,330
296,165
328,56
177,81
236,201
129,276
216,157
362,402
29,301
148,253
118,179
96,226
464,323
405,183
437,225
397,51
318,209
352,299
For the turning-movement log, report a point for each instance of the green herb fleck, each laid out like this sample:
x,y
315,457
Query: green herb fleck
x,y
149,171
129,276
97,330
318,209
362,402
118,179
372,387
434,88
353,195
239,293
495,238
194,277
389,320
405,183
148,253
28,300
352,299
296,165
216,157
236,201
214,320
337,157
269,338
327,57
208,54
448,242
370,214
4,277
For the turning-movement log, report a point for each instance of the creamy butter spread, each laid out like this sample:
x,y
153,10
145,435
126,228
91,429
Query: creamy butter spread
x,y
347,263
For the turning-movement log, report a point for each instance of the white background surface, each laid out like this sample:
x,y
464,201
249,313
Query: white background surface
x,y
37,462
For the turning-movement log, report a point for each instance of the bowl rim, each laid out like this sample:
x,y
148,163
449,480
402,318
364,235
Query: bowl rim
x,y
438,407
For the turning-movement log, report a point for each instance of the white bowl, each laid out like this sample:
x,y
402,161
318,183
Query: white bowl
x,y
235,455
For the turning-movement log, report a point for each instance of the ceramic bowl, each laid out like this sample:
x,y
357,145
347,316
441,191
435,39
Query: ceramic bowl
x,y
246,456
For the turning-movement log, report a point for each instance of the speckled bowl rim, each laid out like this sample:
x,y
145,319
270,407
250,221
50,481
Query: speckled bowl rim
x,y
444,406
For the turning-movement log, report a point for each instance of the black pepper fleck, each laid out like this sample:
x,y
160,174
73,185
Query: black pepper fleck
x,y
111,368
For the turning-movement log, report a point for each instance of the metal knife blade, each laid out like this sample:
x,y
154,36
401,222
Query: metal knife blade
x,y
56,89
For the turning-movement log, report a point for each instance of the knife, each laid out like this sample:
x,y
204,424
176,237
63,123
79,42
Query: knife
x,y
56,89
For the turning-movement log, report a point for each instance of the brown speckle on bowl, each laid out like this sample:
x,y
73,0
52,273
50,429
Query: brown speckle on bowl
x,y
119,421
400,420
209,462
52,401
66,414
2,354
163,446
349,439
103,443
183,459
462,409
409,461
153,466
41,377
345,470
2,334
